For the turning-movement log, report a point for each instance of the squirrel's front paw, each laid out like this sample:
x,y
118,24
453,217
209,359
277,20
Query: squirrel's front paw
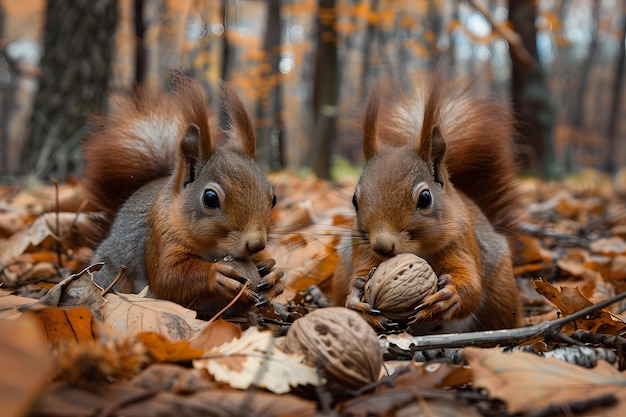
x,y
442,305
228,282
269,286
374,317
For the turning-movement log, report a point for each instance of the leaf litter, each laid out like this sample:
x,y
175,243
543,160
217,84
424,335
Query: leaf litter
x,y
121,354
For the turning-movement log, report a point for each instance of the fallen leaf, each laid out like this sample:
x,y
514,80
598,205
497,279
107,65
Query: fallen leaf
x,y
570,300
25,363
164,350
254,359
73,230
9,303
76,324
77,290
529,383
134,314
612,246
214,334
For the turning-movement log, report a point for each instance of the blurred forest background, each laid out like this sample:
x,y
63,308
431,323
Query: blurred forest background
x,y
304,67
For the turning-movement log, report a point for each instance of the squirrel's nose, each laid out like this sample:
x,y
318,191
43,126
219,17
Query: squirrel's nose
x,y
253,242
383,244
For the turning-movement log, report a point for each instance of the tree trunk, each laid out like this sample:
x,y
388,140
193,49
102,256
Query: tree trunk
x,y
141,62
325,90
78,44
612,163
532,99
269,108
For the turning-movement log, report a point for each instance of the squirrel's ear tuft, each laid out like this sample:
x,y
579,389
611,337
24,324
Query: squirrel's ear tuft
x,y
438,155
370,121
190,98
241,120
432,149
190,151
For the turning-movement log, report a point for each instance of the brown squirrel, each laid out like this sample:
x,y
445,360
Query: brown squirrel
x,y
180,196
444,190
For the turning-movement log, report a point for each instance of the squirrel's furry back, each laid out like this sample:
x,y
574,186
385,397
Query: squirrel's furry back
x,y
138,140
478,128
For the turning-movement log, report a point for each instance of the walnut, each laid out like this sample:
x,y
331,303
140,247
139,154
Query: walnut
x,y
399,284
341,342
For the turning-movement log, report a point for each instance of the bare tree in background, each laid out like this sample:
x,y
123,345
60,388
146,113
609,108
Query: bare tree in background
x,y
612,163
325,90
78,44
532,98
269,109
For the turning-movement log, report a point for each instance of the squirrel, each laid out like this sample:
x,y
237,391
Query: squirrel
x,y
179,197
443,189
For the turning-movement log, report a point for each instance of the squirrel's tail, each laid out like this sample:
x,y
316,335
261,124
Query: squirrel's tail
x,y
138,141
479,130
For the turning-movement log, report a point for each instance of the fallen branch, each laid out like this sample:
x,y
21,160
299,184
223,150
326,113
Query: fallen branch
x,y
492,338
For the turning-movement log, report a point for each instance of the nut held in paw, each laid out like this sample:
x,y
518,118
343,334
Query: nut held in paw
x,y
245,267
399,284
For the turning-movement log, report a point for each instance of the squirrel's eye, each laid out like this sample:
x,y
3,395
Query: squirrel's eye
x,y
274,201
424,200
354,203
210,199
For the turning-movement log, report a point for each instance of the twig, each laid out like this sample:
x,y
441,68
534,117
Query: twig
x,y
229,305
57,230
118,277
505,337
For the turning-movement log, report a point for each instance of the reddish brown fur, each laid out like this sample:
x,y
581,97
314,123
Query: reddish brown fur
x,y
149,166
479,133
461,151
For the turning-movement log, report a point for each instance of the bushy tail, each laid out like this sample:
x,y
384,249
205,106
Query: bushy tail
x,y
478,128
138,141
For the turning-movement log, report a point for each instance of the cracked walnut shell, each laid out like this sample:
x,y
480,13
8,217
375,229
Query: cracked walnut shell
x,y
399,284
341,342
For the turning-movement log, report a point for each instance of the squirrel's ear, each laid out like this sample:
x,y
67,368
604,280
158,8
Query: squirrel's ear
x,y
192,103
190,150
370,122
242,122
432,147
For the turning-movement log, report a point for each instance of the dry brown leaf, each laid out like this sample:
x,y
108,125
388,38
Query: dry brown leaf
x,y
77,290
570,300
134,400
9,303
612,246
214,334
308,257
529,383
164,350
11,222
44,234
76,324
618,268
25,363
134,314
254,359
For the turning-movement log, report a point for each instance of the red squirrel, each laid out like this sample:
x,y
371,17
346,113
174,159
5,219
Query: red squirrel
x,y
181,197
439,182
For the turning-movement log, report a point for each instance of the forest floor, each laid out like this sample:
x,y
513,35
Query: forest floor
x,y
68,348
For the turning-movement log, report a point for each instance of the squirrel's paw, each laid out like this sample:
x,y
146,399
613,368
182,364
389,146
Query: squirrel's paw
x,y
228,282
269,287
442,305
374,317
